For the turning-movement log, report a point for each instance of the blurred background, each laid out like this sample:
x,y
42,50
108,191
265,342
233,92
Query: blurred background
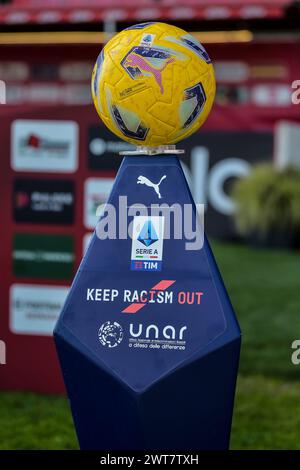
x,y
58,163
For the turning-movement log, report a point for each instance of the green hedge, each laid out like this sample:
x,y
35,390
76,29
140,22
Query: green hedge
x,y
268,200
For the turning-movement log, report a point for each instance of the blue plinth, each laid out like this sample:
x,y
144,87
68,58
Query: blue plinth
x,y
147,340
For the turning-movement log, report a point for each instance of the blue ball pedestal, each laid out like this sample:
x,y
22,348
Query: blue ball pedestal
x,y
149,343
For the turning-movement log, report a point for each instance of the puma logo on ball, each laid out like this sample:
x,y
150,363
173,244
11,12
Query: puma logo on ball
x,y
135,60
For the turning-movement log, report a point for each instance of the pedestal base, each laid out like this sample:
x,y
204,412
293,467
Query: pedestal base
x,y
148,341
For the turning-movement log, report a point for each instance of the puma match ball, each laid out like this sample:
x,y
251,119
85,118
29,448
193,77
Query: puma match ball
x,y
153,84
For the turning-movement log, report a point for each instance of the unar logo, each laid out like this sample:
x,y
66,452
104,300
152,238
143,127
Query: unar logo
x,y
169,332
110,334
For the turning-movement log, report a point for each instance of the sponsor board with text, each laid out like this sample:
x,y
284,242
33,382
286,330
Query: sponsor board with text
x,y
34,309
43,256
104,148
43,201
44,146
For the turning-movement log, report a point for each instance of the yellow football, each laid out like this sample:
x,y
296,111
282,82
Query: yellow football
x,y
153,84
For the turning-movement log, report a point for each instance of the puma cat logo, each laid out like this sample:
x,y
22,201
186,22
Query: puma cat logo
x,y
143,180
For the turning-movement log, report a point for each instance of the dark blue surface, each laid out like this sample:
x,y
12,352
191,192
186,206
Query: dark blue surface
x,y
128,397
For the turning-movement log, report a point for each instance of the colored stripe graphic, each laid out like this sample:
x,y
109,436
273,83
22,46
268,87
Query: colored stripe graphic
x,y
163,285
135,307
